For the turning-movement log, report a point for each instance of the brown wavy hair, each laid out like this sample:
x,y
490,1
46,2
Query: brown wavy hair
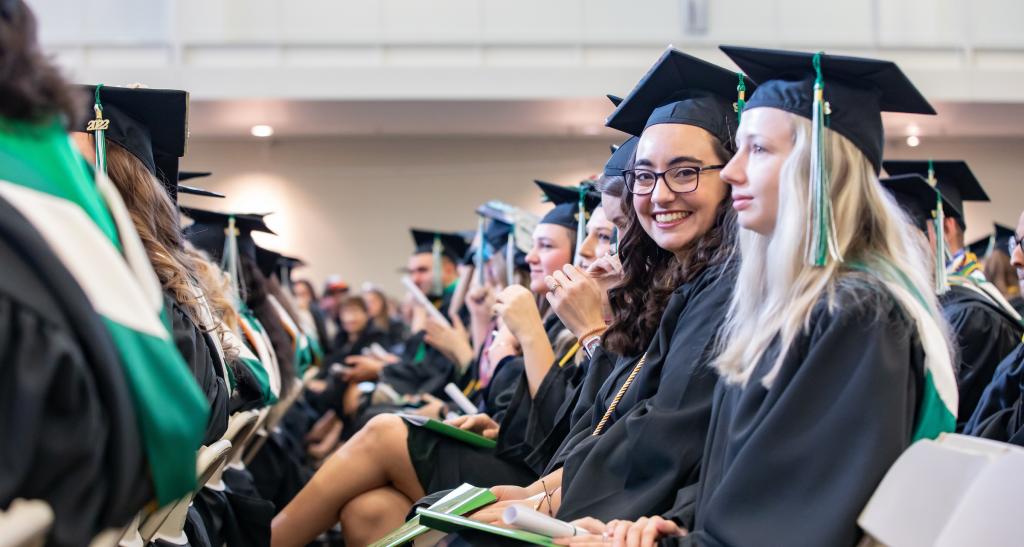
x,y
156,220
650,273
31,87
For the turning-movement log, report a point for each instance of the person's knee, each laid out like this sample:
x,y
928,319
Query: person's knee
x,y
380,431
361,512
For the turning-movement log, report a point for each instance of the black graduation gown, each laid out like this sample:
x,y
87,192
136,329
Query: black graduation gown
x,y
651,447
985,334
204,363
1000,412
795,463
67,424
1018,304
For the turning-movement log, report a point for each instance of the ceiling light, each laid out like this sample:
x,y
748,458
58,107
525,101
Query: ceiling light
x,y
913,141
262,131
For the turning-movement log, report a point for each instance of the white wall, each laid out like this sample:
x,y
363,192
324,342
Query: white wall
x,y
345,204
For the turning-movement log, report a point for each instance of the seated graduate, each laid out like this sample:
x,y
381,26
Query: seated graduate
x,y
638,439
834,356
72,428
984,331
389,463
379,308
996,251
311,316
999,414
146,135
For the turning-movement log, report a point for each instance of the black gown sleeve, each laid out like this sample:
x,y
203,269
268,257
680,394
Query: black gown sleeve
x,y
795,463
1000,413
984,336
199,357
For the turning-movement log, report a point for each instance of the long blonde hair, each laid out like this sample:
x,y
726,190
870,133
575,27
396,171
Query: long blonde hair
x,y
776,291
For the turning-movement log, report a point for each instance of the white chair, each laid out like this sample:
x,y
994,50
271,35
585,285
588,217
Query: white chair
x,y
953,491
25,523
168,522
240,427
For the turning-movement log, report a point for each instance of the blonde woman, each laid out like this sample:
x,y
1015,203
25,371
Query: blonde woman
x,y
833,357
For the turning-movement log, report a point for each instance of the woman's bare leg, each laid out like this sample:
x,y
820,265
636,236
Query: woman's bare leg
x,y
376,457
373,515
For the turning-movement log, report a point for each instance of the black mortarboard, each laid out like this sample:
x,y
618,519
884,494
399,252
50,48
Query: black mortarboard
x,y
615,99
273,263
151,124
192,190
914,195
998,240
208,232
621,158
453,245
683,89
856,90
955,180
566,200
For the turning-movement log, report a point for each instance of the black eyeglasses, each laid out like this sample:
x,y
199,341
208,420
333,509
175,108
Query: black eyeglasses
x,y
681,180
1015,244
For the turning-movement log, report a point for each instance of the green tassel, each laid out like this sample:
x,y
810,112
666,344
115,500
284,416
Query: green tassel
x,y
436,251
479,258
615,241
99,126
741,96
229,260
581,223
822,245
938,222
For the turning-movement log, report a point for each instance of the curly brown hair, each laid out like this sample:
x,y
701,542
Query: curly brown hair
x,y
31,88
650,274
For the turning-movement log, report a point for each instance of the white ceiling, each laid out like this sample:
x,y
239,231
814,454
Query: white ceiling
x,y
563,117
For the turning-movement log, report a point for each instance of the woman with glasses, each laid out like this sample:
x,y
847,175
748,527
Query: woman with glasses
x,y
633,447
834,357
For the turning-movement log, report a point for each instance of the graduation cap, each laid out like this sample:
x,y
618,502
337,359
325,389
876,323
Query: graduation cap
x,y
273,263
439,244
956,182
151,124
856,91
845,94
919,199
683,89
192,190
210,229
573,205
999,239
621,158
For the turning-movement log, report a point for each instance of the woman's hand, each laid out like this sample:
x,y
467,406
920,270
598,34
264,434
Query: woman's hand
x,y
452,341
606,271
517,308
504,345
576,299
435,408
480,301
480,424
623,533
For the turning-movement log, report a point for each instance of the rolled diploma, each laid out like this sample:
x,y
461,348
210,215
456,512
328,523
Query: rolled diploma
x,y
524,518
460,400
